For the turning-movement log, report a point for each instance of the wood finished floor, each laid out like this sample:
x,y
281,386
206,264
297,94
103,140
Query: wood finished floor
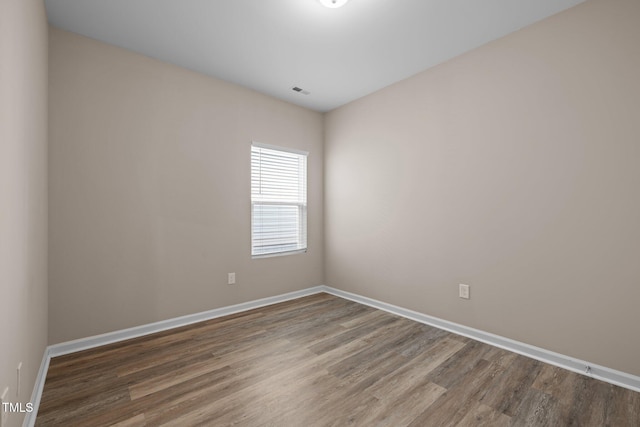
x,y
320,361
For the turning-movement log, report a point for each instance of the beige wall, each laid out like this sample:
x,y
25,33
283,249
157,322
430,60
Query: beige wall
x,y
149,187
23,195
515,169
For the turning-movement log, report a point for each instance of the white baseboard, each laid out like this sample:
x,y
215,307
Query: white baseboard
x,y
163,325
36,394
593,370
602,373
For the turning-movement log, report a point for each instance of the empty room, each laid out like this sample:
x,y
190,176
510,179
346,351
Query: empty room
x,y
319,213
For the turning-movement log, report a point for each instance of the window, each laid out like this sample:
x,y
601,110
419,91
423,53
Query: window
x,y
278,201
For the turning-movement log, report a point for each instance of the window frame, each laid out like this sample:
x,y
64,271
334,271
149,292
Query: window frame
x,y
302,206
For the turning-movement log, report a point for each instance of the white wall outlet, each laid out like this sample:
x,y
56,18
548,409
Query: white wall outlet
x,y
18,379
463,291
3,414
232,279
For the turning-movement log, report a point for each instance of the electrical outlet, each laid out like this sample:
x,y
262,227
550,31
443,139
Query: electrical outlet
x,y
232,279
3,413
464,291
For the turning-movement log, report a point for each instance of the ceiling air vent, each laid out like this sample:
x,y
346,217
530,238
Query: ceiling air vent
x,y
300,90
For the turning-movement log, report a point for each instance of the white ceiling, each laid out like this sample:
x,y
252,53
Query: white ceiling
x,y
338,55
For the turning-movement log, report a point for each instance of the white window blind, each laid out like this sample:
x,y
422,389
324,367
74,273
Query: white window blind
x,y
278,201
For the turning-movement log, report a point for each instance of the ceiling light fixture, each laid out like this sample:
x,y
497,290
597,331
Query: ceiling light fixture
x,y
333,3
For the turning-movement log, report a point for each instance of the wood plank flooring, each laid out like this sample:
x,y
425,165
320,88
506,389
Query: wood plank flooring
x,y
320,361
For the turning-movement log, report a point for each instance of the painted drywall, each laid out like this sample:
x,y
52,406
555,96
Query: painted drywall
x,y
150,190
514,169
23,196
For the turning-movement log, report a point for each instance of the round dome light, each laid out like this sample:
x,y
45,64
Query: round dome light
x,y
333,3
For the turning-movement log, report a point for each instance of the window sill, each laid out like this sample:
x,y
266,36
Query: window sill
x,y
301,251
